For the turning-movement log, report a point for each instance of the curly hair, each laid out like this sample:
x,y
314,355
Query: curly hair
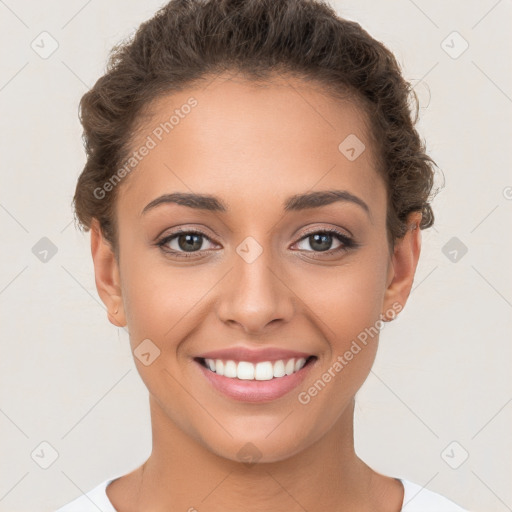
x,y
188,40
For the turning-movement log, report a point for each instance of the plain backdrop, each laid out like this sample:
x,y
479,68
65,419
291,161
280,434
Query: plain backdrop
x,y
437,406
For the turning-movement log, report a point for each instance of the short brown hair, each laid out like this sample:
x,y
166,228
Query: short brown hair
x,y
187,40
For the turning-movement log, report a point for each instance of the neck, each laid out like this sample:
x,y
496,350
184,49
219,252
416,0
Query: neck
x,y
182,474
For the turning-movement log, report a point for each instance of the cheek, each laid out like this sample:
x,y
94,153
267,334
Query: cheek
x,y
345,299
347,305
160,301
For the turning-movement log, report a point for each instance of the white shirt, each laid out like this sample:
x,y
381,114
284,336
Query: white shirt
x,y
416,499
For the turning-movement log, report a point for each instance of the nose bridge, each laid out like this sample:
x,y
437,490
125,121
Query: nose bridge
x,y
255,294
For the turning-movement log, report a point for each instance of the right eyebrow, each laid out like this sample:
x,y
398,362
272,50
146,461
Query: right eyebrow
x,y
198,201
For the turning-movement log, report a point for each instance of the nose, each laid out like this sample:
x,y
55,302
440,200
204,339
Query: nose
x,y
255,295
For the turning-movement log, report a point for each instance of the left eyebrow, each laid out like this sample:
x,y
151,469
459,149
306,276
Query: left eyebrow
x,y
296,202
323,198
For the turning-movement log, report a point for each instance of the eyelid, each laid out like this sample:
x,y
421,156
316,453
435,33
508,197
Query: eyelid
x,y
331,229
347,242
164,240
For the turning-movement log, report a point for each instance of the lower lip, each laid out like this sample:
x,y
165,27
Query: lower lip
x,y
256,390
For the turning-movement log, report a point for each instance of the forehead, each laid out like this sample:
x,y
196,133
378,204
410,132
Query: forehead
x,y
243,141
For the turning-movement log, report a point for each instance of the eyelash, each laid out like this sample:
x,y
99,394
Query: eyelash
x,y
347,242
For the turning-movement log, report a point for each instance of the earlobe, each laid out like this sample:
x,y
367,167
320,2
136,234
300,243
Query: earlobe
x,y
403,268
107,277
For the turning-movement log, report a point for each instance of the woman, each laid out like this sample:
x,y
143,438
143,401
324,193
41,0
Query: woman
x,y
255,190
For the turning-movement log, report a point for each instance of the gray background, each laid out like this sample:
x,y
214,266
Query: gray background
x,y
440,388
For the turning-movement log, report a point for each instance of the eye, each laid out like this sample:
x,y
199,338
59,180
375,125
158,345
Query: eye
x,y
322,240
184,243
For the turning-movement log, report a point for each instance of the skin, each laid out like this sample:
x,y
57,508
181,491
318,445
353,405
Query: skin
x,y
253,148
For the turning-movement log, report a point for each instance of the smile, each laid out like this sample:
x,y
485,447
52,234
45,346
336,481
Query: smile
x,y
264,370
255,382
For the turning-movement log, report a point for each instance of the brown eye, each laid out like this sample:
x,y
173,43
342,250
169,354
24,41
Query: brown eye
x,y
184,242
190,242
322,241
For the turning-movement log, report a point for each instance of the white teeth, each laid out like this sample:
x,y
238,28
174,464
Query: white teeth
x,y
279,369
245,370
299,364
289,367
264,370
230,369
219,366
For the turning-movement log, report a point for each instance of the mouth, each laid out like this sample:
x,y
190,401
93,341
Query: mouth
x,y
264,370
255,382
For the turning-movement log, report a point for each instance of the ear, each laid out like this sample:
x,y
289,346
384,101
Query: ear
x,y
107,277
402,267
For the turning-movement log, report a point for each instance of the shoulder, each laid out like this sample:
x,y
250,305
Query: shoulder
x,y
420,499
94,500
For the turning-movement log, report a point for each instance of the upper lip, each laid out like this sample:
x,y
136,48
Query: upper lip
x,y
253,355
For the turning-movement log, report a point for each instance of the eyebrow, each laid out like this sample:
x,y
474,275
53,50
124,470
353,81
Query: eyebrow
x,y
296,202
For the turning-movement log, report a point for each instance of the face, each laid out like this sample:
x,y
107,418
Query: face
x,y
254,265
